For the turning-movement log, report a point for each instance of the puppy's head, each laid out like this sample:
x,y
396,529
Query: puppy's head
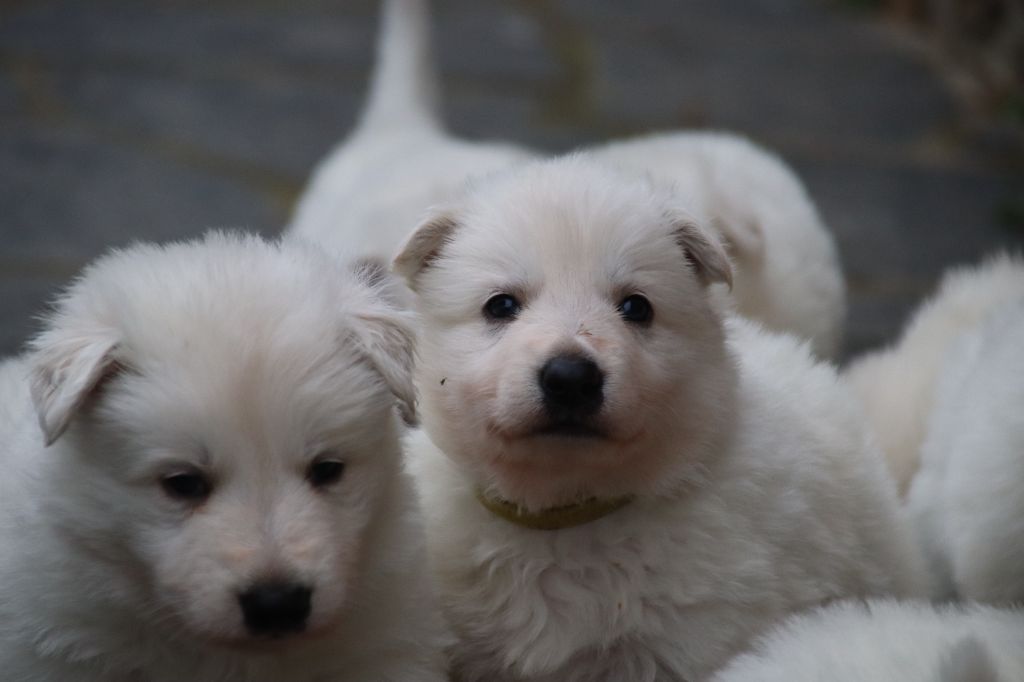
x,y
573,344
223,431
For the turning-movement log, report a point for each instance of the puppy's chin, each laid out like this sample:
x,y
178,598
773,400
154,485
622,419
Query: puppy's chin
x,y
557,464
537,430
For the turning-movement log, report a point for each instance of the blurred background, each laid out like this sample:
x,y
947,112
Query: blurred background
x,y
123,120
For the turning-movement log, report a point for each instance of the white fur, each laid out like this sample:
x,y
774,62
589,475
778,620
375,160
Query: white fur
x,y
758,491
886,641
372,190
897,385
787,271
967,499
243,360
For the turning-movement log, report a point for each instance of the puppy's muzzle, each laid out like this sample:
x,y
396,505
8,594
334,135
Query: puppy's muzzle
x,y
572,387
276,609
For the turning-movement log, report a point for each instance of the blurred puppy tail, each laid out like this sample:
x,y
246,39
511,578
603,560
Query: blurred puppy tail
x,y
404,90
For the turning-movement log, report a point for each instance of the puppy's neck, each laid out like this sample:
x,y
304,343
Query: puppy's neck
x,y
553,518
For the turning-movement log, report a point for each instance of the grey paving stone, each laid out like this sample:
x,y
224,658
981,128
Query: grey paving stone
x,y
269,124
71,195
499,44
909,221
22,300
10,99
208,36
758,79
121,119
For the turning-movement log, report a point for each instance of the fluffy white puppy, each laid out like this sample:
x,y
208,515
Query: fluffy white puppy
x,y
374,188
369,193
887,641
786,274
215,492
897,385
967,499
620,484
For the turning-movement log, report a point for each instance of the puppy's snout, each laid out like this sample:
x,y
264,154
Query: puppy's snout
x,y
276,608
572,383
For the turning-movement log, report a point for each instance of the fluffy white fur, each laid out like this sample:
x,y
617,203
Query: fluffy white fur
x,y
373,189
244,361
758,491
887,641
787,274
967,499
897,385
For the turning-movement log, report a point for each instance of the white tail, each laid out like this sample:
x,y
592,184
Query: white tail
x,y
404,87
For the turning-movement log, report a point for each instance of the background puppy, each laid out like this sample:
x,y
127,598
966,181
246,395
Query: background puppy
x,y
886,641
967,499
897,385
215,492
619,484
399,161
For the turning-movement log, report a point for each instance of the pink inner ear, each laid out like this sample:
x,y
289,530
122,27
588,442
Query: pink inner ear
x,y
66,376
705,253
424,246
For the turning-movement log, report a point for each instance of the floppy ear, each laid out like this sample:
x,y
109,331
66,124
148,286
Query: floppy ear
x,y
705,250
386,333
388,341
66,370
423,246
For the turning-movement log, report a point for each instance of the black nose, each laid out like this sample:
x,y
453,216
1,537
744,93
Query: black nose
x,y
572,383
275,608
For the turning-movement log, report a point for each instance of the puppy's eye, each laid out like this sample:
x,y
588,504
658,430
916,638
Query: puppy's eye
x,y
501,307
636,309
190,486
325,472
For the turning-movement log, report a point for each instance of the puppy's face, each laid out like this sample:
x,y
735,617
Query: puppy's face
x,y
572,347
237,445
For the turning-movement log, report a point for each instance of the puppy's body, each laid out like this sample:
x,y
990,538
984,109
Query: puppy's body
x,y
754,490
897,385
374,188
967,499
885,641
399,162
787,274
794,511
239,364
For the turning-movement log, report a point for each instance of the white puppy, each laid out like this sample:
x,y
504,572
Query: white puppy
x,y
215,492
887,641
897,385
399,161
787,274
619,483
968,497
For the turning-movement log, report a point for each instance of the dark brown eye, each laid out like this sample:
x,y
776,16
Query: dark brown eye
x,y
191,486
501,307
636,309
325,472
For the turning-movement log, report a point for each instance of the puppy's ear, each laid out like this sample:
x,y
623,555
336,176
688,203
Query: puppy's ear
x,y
423,246
66,369
387,337
704,250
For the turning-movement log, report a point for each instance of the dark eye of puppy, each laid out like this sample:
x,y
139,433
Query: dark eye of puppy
x,y
501,307
636,309
325,472
191,486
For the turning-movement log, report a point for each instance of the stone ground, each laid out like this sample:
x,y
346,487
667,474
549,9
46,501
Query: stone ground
x,y
123,120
